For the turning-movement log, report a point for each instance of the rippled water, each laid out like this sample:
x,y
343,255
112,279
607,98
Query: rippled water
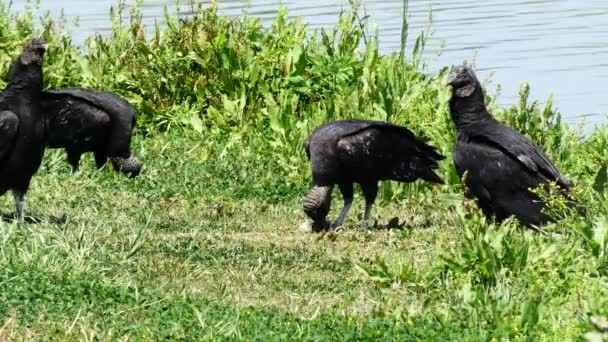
x,y
559,46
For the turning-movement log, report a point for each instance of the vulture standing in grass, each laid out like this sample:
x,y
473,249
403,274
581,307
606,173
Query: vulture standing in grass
x,y
22,123
82,120
364,152
501,164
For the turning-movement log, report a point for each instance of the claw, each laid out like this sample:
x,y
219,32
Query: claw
x,y
334,227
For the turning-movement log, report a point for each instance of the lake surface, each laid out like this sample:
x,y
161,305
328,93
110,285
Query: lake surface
x,y
559,46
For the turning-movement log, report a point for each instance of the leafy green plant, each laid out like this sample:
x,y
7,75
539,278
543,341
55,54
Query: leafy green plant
x,y
385,276
492,253
204,243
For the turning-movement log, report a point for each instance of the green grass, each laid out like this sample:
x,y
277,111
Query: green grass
x,y
207,244
187,257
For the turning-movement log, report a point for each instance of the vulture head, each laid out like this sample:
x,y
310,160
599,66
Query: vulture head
x,y
33,52
463,81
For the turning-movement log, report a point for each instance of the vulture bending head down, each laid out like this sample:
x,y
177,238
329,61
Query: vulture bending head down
x,y
22,123
86,120
363,152
501,164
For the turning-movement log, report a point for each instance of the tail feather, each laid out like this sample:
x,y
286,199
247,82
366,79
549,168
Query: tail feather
x,y
432,177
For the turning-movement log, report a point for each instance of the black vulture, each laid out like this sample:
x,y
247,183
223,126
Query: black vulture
x,y
501,164
363,152
84,120
22,123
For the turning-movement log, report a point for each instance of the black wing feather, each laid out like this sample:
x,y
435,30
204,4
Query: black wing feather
x,y
490,171
520,148
110,102
9,126
72,122
346,128
389,152
121,112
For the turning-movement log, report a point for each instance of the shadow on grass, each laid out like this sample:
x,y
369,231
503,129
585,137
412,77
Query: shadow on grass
x,y
34,219
393,224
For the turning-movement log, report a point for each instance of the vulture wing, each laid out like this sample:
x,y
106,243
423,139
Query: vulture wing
x,y
499,182
9,126
390,152
522,149
121,113
391,138
110,102
330,133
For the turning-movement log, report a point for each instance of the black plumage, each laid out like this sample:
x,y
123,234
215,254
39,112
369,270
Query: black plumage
x,y
84,120
363,152
501,164
22,123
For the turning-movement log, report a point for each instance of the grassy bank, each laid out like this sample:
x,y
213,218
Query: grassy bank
x,y
205,243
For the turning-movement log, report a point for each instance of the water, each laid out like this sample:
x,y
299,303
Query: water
x,y
559,46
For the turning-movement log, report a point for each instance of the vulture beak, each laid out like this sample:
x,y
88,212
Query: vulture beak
x,y
451,77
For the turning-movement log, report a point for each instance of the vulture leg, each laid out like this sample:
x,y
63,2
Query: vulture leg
x,y
74,160
100,159
347,192
19,202
370,191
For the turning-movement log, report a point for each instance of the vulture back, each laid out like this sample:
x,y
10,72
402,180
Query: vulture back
x,y
73,122
386,151
120,112
361,150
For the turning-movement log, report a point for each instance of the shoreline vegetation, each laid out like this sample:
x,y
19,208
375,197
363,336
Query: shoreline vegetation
x,y
205,243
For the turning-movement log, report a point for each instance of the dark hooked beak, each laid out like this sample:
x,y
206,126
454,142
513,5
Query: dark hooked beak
x,y
451,77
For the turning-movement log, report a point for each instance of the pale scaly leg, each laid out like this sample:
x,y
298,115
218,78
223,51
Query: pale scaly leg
x,y
347,192
370,191
19,204
366,215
